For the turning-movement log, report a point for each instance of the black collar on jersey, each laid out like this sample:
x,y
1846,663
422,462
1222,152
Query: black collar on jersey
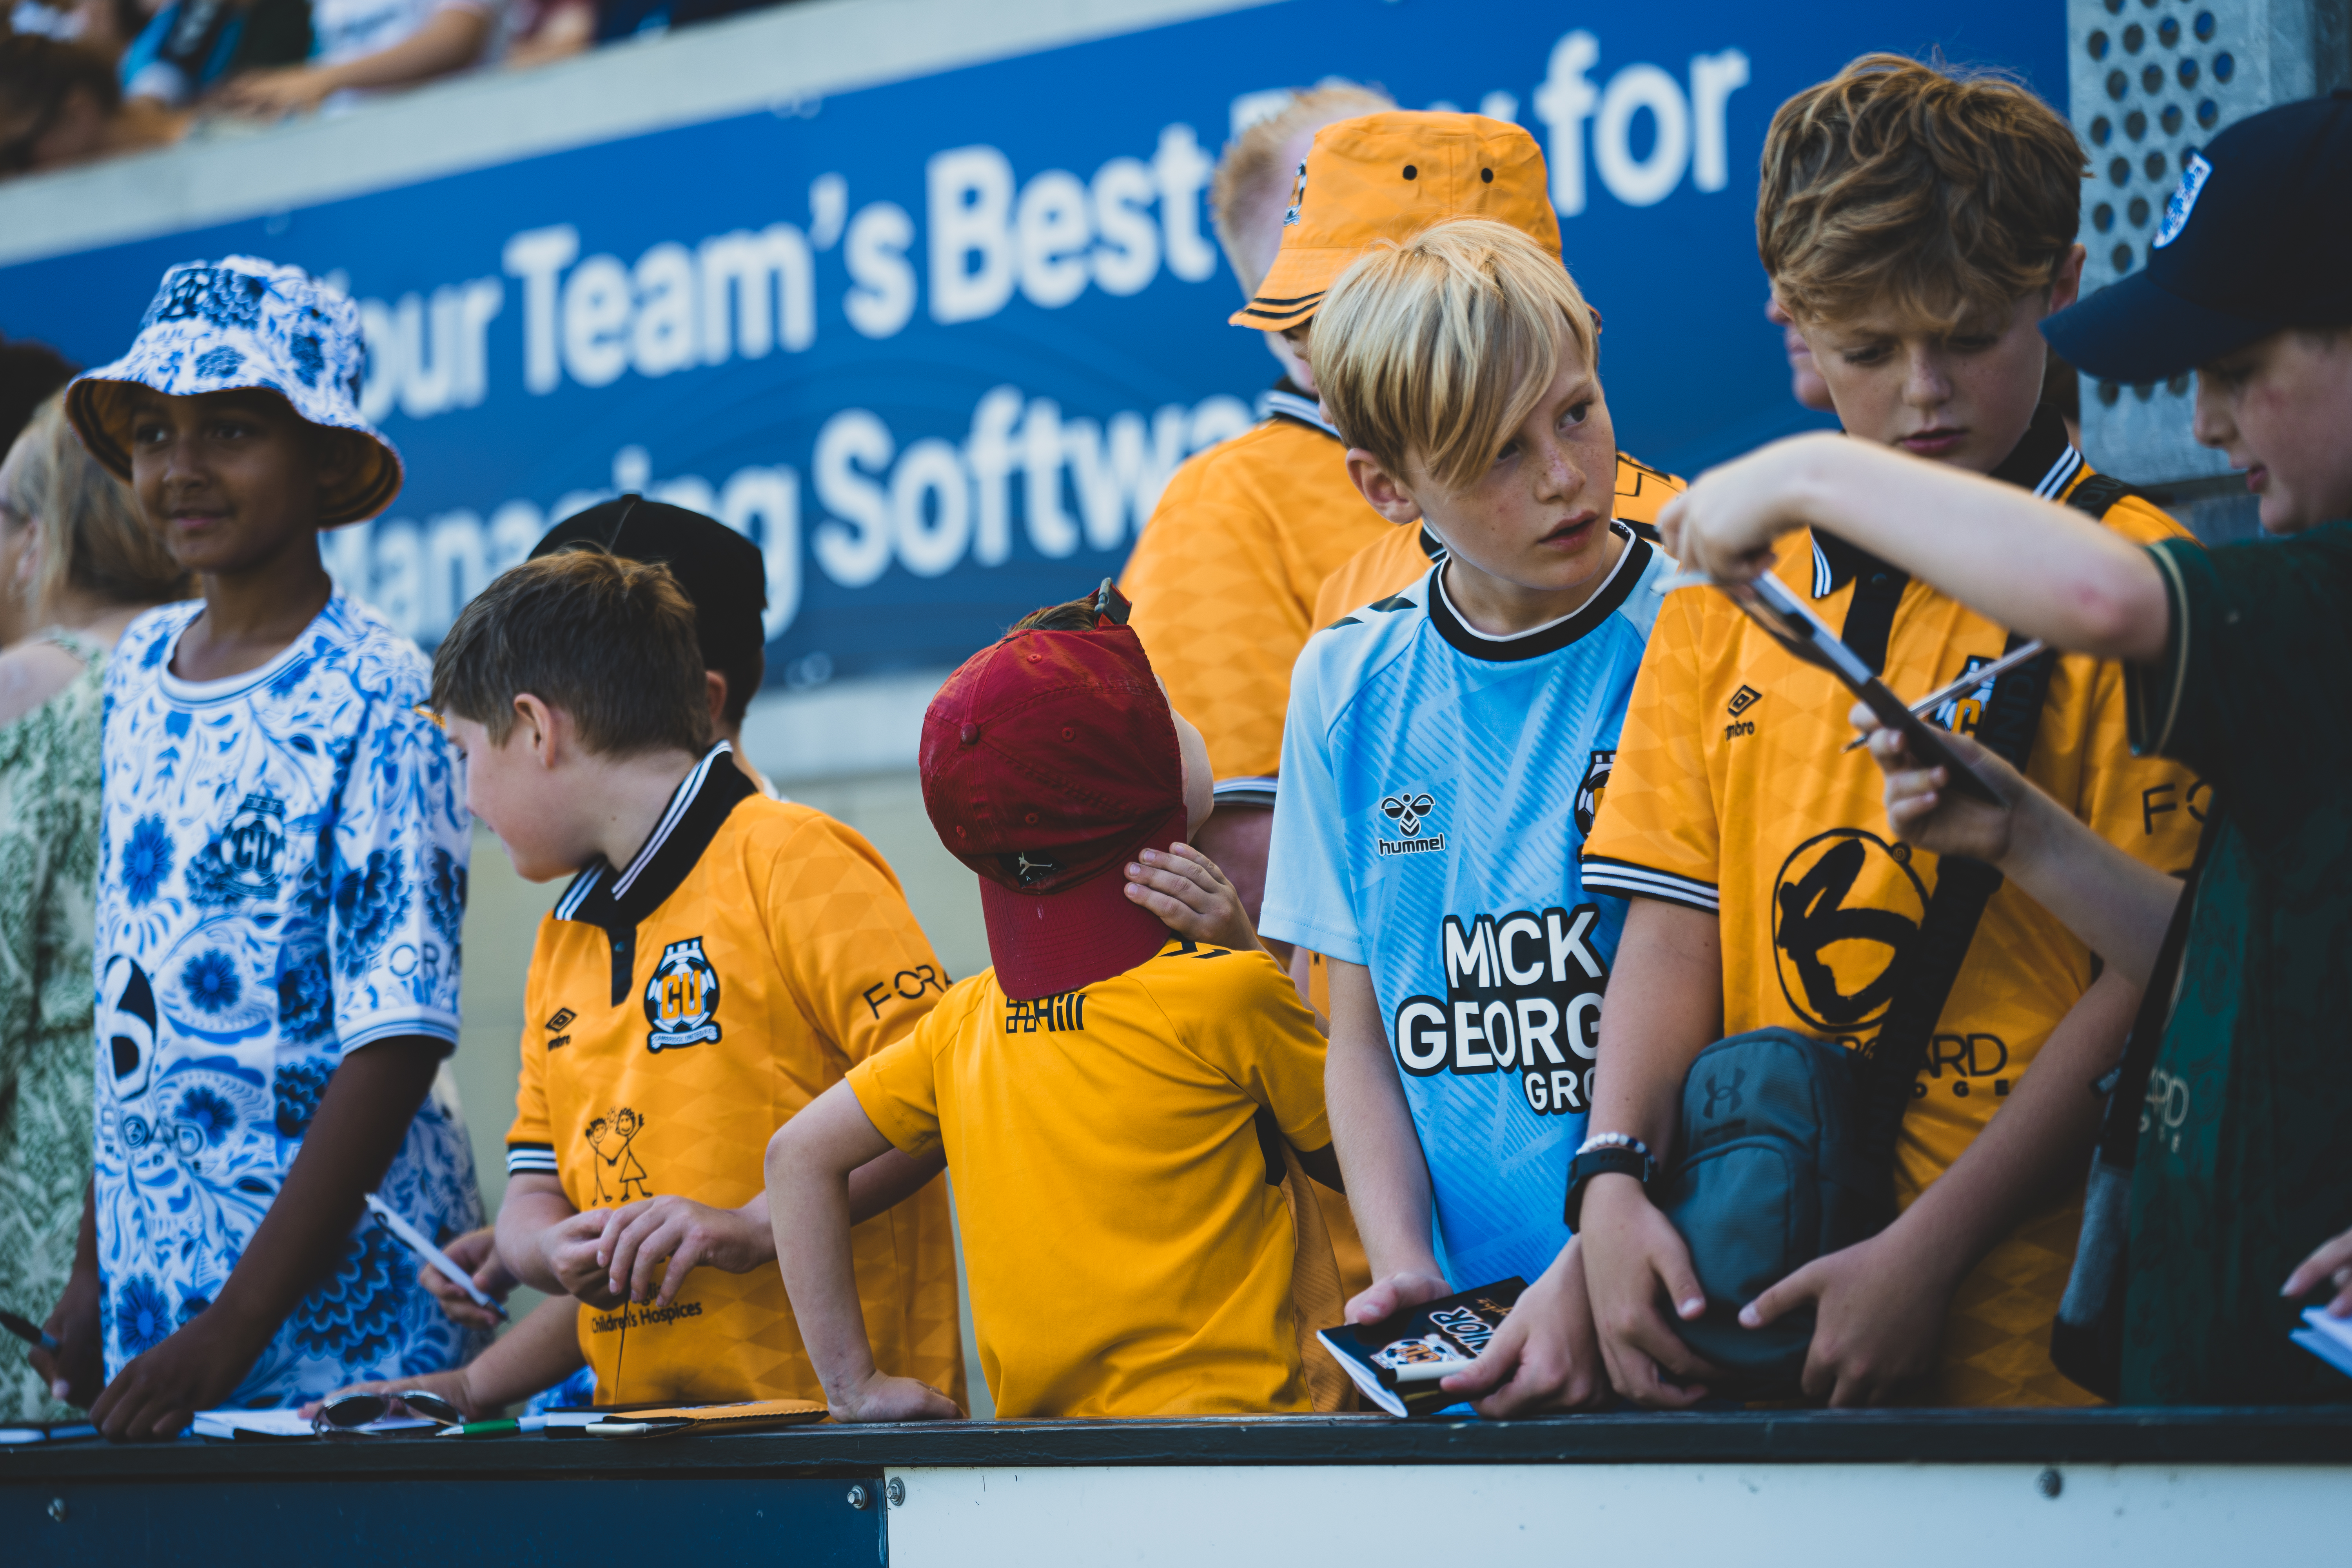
x,y
1285,399
1561,633
619,902
2044,461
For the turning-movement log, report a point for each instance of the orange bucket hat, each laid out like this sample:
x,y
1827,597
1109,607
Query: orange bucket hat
x,y
1390,176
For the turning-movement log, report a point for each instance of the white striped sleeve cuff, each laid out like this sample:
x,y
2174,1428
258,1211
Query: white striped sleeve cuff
x,y
521,1157
1631,882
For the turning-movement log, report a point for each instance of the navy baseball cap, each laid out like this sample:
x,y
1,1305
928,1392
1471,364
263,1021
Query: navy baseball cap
x,y
2258,238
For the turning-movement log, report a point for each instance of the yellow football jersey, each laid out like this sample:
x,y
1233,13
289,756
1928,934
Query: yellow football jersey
x,y
1116,1155
1399,558
685,1006
1730,794
1223,581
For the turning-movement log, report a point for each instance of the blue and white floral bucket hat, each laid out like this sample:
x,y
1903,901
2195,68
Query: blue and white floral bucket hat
x,y
236,324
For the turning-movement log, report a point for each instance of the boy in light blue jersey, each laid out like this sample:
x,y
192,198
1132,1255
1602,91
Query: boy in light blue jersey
x,y
1444,753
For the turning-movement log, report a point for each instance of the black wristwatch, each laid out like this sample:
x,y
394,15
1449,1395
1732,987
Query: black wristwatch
x,y
1602,1161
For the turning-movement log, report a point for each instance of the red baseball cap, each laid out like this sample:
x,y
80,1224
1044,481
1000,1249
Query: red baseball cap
x,y
1048,760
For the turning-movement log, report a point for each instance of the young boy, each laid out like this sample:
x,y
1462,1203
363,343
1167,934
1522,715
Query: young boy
x,y
282,884
718,960
2249,1103
1917,227
1444,754
1119,1107
724,576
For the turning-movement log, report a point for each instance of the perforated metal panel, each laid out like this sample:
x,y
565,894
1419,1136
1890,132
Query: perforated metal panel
x,y
2151,81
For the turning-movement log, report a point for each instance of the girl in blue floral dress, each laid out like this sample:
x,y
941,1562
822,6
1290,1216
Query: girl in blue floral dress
x,y
281,884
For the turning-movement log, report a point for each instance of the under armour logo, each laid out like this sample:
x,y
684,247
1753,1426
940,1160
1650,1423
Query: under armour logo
x,y
1725,1091
1032,867
1407,811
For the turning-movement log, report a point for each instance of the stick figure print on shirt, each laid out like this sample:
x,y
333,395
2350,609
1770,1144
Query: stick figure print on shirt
x,y
611,1138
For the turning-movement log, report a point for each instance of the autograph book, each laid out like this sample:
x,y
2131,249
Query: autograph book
x,y
1398,1361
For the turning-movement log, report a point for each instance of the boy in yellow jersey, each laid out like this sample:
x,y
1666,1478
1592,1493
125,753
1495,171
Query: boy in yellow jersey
x,y
1119,1106
718,960
1917,227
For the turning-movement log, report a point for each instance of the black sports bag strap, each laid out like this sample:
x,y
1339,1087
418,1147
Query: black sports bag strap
x,y
1931,960
1931,963
2119,1133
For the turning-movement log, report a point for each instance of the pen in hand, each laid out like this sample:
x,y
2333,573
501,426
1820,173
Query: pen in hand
x,y
27,1330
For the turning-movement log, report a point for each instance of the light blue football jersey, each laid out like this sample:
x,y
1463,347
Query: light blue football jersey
x,y
1437,786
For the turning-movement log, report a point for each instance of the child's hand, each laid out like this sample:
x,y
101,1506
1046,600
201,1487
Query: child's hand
x,y
476,1250
885,1398
1638,1275
1546,1356
195,1367
1723,525
1393,1293
1922,811
77,1371
572,1249
1191,897
2330,1265
637,1237
1879,1315
452,1385
289,90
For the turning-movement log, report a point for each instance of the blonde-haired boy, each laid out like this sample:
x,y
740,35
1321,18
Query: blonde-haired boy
x,y
1917,226
1444,750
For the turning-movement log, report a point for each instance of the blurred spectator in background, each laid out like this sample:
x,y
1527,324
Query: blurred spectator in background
x,y
191,45
105,25
76,564
540,32
28,373
367,45
60,104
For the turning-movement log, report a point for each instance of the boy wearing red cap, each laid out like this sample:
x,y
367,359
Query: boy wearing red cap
x,y
1118,1104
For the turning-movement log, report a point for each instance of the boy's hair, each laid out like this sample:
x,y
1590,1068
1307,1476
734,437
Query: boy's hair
x,y
1938,193
91,535
1434,349
609,641
1071,615
1251,173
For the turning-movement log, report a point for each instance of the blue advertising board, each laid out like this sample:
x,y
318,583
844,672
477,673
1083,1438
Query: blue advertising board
x,y
936,345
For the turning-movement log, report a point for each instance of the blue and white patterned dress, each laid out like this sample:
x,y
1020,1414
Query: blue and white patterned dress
x,y
282,880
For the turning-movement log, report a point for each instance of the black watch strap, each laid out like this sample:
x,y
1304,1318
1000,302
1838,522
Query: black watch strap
x,y
1602,1161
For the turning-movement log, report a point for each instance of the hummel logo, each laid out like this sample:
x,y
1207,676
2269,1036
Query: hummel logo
x,y
1744,698
1406,811
563,1019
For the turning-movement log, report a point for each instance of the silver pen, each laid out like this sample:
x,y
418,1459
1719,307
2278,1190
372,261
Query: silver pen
x,y
2025,653
416,1242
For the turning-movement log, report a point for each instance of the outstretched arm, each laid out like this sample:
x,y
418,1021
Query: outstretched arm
x,y
809,1162
2033,565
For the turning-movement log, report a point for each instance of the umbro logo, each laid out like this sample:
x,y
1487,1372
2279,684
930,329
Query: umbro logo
x,y
562,1020
1744,698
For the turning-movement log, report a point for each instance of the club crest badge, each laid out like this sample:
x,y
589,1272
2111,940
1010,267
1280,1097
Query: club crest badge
x,y
1588,793
682,998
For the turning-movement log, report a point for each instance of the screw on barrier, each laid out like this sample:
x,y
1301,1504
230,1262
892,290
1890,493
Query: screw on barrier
x,y
58,1509
858,1497
2049,1483
895,1492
